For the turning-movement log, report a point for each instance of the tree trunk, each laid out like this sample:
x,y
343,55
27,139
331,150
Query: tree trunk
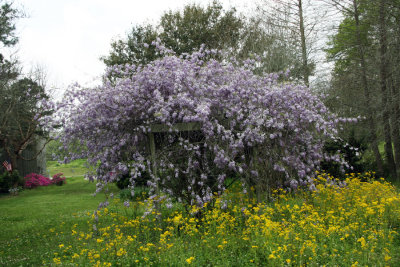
x,y
396,125
384,93
14,160
14,165
306,72
364,81
395,118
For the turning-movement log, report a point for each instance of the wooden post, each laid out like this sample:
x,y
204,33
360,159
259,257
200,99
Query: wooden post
x,y
162,128
152,145
153,154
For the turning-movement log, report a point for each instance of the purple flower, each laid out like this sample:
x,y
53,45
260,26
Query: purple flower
x,y
241,115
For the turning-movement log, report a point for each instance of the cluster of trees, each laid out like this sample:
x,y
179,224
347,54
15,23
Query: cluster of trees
x,y
366,75
23,100
280,35
293,34
225,30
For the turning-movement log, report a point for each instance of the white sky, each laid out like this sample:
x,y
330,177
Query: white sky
x,y
67,37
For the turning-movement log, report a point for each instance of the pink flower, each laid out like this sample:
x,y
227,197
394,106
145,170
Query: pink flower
x,y
33,180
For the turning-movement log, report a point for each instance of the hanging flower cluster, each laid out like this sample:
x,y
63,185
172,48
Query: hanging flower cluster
x,y
252,127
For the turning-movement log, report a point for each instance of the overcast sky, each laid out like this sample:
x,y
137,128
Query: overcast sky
x,y
67,37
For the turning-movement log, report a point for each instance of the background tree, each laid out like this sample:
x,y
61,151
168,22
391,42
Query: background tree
x,y
24,108
384,76
186,31
8,15
266,40
362,51
181,31
133,50
295,23
22,112
394,79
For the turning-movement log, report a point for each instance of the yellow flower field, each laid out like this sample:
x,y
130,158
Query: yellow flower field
x,y
354,225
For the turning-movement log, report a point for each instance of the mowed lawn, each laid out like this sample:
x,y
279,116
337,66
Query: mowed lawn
x,y
35,221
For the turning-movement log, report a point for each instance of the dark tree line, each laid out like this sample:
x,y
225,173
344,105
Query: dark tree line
x,y
20,97
366,77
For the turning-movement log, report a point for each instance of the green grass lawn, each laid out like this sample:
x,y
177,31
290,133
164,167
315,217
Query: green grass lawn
x,y
74,169
32,222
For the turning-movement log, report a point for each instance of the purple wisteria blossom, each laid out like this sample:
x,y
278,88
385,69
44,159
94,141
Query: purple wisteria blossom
x,y
264,131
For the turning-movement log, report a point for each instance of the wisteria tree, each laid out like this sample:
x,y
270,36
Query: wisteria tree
x,y
252,127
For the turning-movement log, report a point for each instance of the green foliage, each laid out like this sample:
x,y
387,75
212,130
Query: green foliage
x,y
187,31
21,99
22,109
124,181
365,78
25,90
133,50
73,169
8,71
8,15
10,180
352,150
55,151
183,32
273,46
141,193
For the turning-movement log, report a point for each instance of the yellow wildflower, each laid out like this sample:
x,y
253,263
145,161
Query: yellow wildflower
x,y
190,260
57,260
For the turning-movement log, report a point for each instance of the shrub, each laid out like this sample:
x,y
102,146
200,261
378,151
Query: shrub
x,y
140,193
33,180
124,181
351,150
10,180
58,179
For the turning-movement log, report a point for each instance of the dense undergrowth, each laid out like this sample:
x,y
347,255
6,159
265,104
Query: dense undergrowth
x,y
357,224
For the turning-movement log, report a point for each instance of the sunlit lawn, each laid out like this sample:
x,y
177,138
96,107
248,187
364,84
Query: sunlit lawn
x,y
28,221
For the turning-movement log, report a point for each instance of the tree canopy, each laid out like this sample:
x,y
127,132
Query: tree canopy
x,y
25,109
366,77
181,31
8,15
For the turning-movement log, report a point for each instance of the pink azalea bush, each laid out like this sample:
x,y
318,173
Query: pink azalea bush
x,y
253,127
33,180
58,179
